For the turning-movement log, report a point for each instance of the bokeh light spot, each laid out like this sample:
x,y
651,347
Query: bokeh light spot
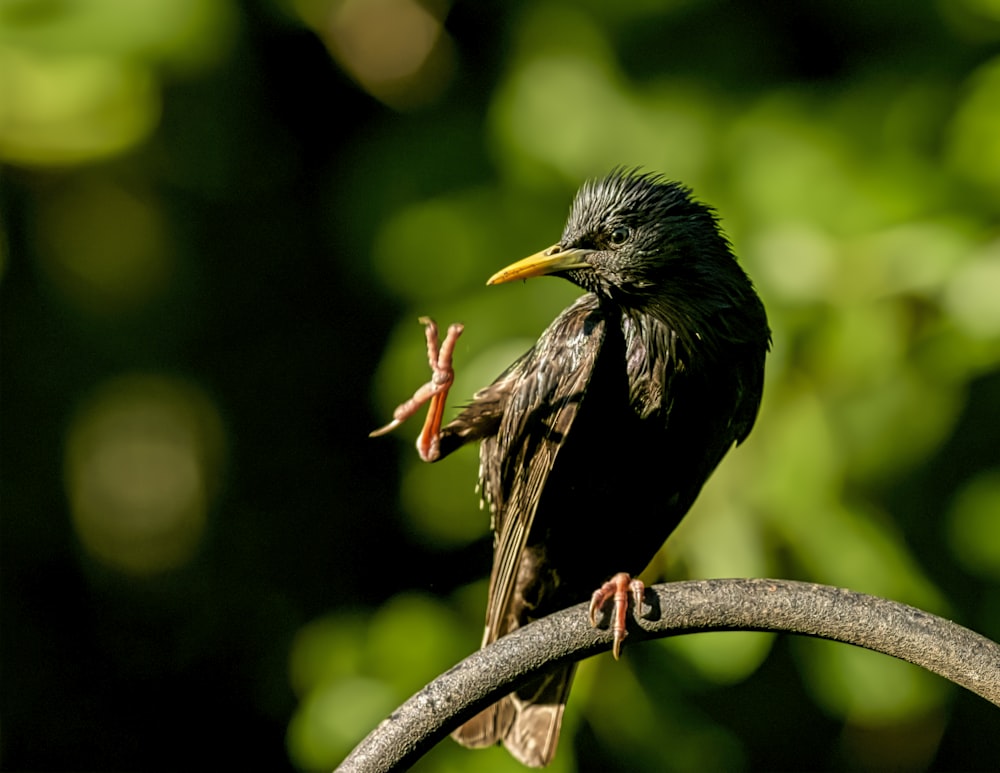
x,y
103,246
974,525
973,292
432,246
332,719
866,687
65,110
797,261
397,50
975,131
143,461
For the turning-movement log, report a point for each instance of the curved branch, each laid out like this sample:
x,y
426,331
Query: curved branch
x,y
940,646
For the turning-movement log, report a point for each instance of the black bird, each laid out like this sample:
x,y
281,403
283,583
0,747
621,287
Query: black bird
x,y
595,443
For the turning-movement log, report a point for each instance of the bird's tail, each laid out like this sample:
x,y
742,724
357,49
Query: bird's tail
x,y
527,721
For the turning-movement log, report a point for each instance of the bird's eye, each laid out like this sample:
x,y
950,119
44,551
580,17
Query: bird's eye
x,y
620,235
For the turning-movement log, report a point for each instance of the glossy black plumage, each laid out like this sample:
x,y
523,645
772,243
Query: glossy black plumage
x,y
595,443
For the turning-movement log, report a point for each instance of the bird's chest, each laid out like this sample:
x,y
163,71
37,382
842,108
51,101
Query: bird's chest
x,y
605,458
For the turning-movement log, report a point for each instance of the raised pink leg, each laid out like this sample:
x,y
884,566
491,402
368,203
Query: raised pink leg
x,y
435,391
618,589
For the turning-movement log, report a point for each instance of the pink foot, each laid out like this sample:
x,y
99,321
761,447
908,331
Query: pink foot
x,y
435,391
617,588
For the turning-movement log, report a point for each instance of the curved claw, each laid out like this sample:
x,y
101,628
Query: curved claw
x,y
386,429
618,589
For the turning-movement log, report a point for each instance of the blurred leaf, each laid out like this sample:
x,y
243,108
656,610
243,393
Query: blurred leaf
x,y
67,110
877,426
434,249
186,34
80,80
849,548
106,248
971,295
649,730
332,719
411,639
566,106
867,688
326,650
778,155
798,460
443,505
796,262
722,658
974,525
974,148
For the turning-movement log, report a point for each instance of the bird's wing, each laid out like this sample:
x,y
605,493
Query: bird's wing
x,y
540,395
544,391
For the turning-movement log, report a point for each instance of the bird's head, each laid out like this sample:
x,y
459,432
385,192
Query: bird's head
x,y
634,239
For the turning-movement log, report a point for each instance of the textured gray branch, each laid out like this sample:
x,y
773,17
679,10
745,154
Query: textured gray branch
x,y
904,632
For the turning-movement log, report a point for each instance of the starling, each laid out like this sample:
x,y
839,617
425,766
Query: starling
x,y
596,442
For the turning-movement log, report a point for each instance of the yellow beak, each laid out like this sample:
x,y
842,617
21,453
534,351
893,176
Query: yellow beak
x,y
549,261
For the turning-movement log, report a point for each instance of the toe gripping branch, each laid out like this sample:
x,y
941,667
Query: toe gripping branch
x,y
617,589
435,391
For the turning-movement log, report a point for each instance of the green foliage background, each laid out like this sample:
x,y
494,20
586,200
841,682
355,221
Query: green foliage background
x,y
217,234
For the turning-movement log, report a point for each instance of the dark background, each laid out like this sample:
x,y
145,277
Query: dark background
x,y
295,220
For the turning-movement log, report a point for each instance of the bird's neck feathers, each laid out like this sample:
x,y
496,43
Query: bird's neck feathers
x,y
706,309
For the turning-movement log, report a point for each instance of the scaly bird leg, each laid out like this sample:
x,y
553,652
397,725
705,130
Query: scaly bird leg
x,y
617,588
436,391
